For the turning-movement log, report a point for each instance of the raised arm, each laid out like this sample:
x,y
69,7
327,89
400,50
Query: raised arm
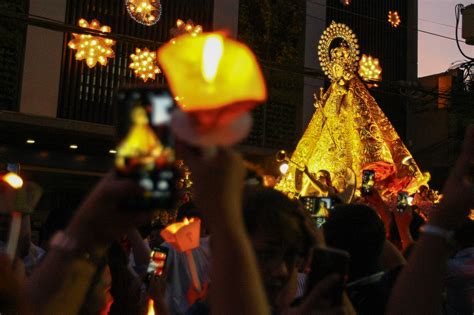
x,y
426,269
60,283
235,280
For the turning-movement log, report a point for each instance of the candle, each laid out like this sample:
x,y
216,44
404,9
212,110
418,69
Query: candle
x,y
214,78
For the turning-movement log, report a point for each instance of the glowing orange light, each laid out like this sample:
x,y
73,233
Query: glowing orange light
x,y
183,236
369,68
394,18
346,2
144,64
471,215
146,12
13,180
211,72
92,48
185,28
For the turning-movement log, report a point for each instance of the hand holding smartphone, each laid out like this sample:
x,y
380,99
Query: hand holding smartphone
x,y
157,264
146,151
403,201
368,182
327,261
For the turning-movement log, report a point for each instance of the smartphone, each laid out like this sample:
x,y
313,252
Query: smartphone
x,y
318,206
157,264
368,182
403,201
328,261
146,149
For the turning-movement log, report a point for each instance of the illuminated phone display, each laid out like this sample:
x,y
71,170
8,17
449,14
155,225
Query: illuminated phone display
x,y
368,182
157,262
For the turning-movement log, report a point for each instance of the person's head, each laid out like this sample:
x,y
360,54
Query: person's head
x,y
154,238
282,236
358,230
423,191
189,210
324,177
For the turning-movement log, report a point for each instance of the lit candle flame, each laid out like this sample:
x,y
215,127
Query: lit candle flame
x,y
212,55
151,308
13,180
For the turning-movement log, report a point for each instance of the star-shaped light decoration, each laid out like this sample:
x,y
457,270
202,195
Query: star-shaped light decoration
x,y
394,18
146,12
92,48
185,28
369,68
144,64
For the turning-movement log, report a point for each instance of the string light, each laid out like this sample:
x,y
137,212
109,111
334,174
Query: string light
x,y
369,68
185,28
92,48
146,12
394,18
145,64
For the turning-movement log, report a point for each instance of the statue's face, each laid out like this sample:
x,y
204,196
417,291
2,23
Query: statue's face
x,y
339,59
337,71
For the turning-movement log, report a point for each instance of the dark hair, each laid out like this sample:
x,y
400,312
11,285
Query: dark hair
x,y
268,211
358,230
188,210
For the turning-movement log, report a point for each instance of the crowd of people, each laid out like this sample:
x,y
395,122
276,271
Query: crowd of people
x,y
256,253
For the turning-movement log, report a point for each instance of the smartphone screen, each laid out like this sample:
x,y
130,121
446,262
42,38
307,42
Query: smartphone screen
x,y
319,208
368,182
403,201
146,148
326,261
157,262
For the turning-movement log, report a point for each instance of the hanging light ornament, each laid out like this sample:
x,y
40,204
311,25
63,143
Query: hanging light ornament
x,y
369,68
144,64
346,2
146,12
92,48
394,18
185,28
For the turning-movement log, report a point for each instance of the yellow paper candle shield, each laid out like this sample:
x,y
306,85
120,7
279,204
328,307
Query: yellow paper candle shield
x,y
183,236
210,72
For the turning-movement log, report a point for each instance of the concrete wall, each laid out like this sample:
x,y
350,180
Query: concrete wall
x,y
226,16
43,55
315,25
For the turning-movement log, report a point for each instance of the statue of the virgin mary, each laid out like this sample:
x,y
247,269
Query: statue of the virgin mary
x,y
348,133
